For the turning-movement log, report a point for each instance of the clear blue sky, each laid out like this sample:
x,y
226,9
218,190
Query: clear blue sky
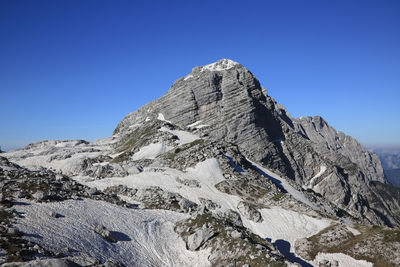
x,y
74,69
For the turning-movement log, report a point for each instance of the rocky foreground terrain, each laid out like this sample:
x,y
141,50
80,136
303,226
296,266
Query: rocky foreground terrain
x,y
214,173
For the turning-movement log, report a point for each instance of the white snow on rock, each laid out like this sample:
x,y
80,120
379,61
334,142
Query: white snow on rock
x,y
63,156
162,118
208,173
278,223
116,154
183,136
145,237
194,124
151,151
311,183
285,185
223,64
188,77
197,125
101,164
343,260
286,225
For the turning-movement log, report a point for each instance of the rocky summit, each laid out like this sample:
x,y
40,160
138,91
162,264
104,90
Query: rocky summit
x,y
214,173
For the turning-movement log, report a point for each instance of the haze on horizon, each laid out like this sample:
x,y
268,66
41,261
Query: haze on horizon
x,y
74,69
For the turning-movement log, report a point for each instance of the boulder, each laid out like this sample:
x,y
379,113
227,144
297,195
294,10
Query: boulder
x,y
197,239
106,234
39,195
233,217
249,212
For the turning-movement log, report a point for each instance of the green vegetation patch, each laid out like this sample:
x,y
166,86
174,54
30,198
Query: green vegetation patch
x,y
278,196
139,134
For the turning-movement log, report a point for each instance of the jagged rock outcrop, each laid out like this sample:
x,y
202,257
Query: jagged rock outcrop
x,y
229,104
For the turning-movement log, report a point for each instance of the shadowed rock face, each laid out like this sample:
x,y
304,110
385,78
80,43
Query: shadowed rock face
x,y
229,102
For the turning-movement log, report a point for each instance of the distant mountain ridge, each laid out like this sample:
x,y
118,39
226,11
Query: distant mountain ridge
x,y
390,158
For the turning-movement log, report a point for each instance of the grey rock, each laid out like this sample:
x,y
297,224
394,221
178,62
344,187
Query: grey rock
x,y
13,231
186,205
105,233
197,239
324,263
44,263
92,191
326,139
233,217
39,195
188,182
53,214
302,246
84,260
209,204
249,212
112,263
236,234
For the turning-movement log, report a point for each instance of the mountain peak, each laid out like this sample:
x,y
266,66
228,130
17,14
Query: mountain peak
x,y
223,64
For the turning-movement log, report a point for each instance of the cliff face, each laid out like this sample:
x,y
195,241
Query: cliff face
x,y
227,102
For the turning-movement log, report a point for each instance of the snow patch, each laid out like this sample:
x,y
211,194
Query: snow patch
x,y
223,64
281,224
133,126
63,144
116,154
188,77
67,157
194,124
343,259
311,183
145,237
278,223
151,151
101,163
162,118
183,136
197,125
285,185
208,173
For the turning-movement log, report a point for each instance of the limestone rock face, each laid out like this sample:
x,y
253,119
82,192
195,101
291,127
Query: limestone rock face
x,y
327,138
225,101
229,102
